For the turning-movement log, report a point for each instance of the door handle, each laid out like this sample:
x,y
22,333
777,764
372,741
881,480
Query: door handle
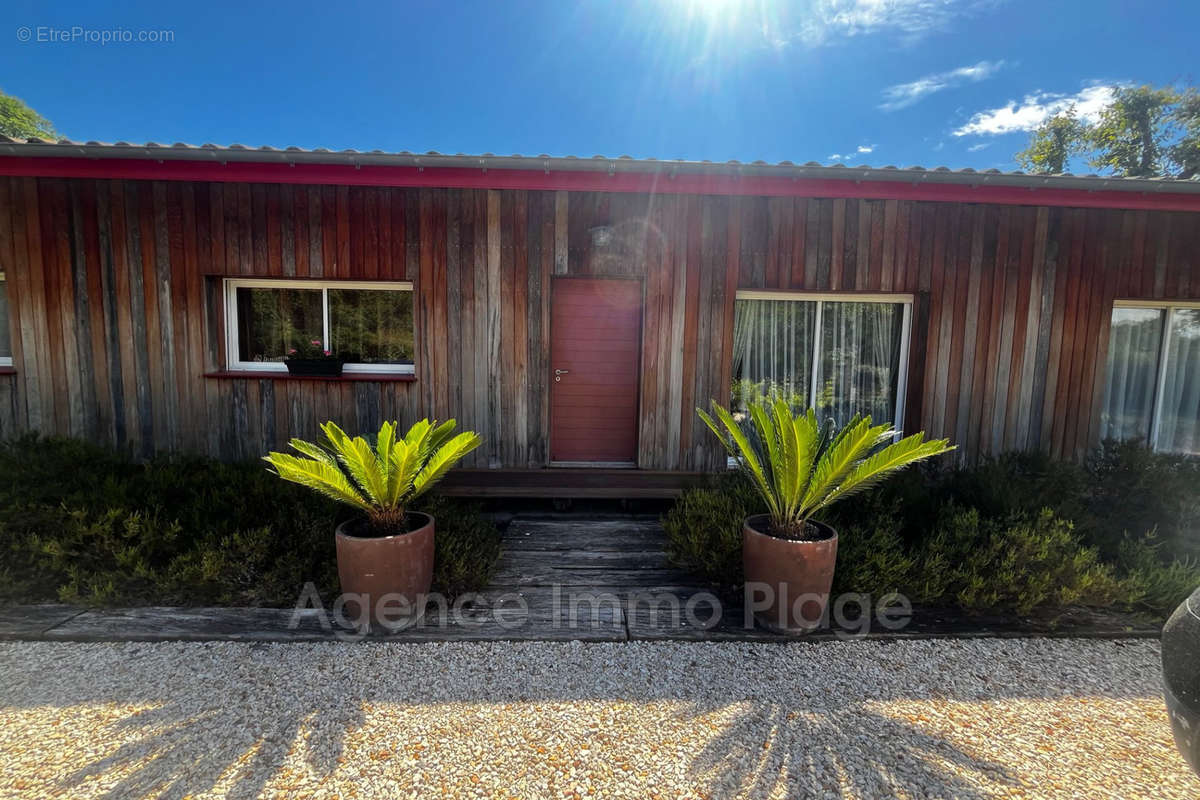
x,y
558,373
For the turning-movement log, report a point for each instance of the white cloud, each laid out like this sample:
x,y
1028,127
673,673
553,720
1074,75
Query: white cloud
x,y
975,148
1035,109
903,95
821,21
861,150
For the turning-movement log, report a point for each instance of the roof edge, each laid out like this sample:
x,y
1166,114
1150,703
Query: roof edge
x,y
236,163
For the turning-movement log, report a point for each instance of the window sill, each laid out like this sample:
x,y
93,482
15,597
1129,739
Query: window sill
x,y
370,377
8,371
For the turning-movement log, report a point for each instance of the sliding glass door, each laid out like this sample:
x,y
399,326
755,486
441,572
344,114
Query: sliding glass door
x,y
839,354
1152,391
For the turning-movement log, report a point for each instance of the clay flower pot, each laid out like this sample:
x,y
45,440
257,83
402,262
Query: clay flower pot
x,y
788,580
1181,677
383,569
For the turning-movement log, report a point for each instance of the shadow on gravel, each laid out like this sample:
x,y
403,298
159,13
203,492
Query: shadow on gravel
x,y
224,718
850,752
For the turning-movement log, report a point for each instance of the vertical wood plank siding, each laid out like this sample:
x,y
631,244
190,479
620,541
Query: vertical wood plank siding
x,y
117,314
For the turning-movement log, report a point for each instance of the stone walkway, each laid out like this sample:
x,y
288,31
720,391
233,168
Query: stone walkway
x,y
559,578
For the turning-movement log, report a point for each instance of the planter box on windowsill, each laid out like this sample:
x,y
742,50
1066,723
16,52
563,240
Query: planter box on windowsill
x,y
315,367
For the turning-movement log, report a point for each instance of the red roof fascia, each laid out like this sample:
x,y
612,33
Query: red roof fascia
x,y
588,181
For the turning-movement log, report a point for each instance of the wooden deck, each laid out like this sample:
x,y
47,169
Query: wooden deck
x,y
567,482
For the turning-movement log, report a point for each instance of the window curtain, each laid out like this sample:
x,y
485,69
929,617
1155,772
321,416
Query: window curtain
x,y
1179,415
1135,338
772,350
860,361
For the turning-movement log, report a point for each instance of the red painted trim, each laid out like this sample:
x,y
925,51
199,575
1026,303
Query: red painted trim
x,y
7,371
345,377
587,181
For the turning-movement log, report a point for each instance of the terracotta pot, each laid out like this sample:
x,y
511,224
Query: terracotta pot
x,y
787,582
1181,677
382,569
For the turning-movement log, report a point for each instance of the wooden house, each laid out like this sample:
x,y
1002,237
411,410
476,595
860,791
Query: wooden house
x,y
577,311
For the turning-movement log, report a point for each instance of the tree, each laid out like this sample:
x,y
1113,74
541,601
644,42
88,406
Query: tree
x,y
1054,143
1132,133
1186,152
19,121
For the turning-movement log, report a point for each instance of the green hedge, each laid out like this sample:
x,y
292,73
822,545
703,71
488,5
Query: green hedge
x,y
83,524
1016,533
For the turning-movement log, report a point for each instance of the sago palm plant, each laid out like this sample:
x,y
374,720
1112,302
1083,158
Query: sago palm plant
x,y
381,480
800,466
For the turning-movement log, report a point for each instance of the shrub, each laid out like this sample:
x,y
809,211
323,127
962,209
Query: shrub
x,y
1018,564
873,559
704,528
1017,533
1149,583
1133,491
466,545
82,524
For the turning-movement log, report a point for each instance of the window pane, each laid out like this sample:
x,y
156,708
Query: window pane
x,y
772,350
1179,418
273,321
371,326
860,361
1134,340
5,343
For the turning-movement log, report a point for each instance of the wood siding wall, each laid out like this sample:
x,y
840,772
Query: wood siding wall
x,y
116,312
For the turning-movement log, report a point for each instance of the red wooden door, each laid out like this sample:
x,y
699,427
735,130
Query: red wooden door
x,y
595,346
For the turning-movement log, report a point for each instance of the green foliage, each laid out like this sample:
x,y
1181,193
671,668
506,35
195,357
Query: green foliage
x,y
1133,491
800,467
873,558
381,478
1018,533
1144,132
1053,143
466,545
82,524
704,528
19,121
1186,150
1018,564
1151,584
1132,131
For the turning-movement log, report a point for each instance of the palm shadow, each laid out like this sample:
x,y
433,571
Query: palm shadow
x,y
825,746
235,718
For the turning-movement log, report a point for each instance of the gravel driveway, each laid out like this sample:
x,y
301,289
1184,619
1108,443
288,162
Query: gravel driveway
x,y
961,719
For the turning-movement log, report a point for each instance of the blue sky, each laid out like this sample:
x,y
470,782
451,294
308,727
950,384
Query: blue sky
x,y
903,82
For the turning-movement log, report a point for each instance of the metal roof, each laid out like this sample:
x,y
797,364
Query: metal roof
x,y
220,154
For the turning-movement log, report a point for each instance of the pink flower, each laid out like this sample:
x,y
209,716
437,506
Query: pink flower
x,y
291,351
328,352
316,342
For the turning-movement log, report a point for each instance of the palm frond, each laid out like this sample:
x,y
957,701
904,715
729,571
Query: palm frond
x,y
442,460
319,476
737,444
848,447
873,469
799,465
380,479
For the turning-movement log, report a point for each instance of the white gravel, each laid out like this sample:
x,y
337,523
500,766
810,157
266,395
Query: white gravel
x,y
954,719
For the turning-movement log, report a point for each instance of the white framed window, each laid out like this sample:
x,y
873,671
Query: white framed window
x,y
369,324
1152,388
840,354
6,354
